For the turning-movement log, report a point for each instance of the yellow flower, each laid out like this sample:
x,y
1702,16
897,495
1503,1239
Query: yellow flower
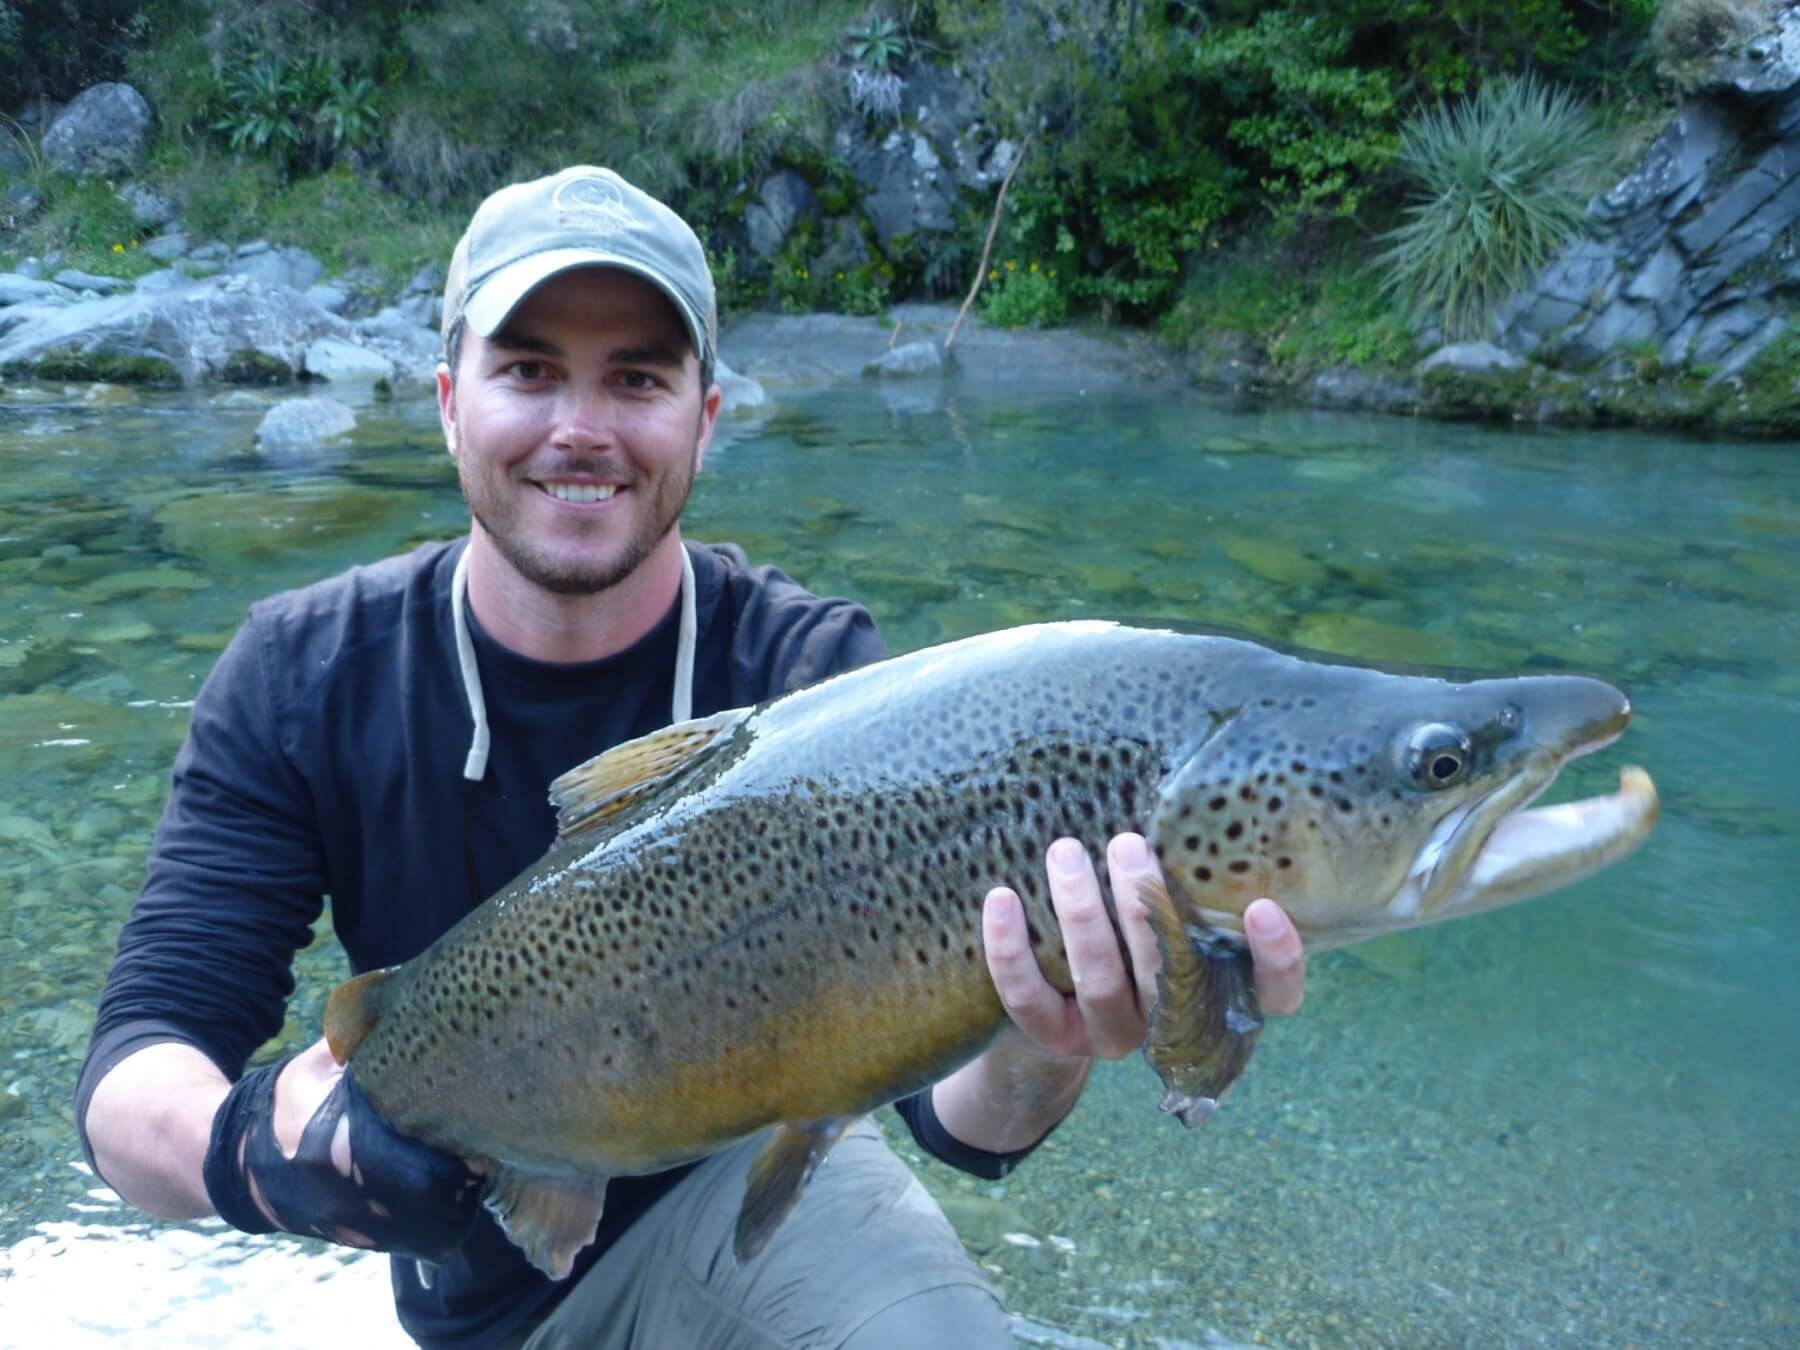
x,y
1011,266
840,276
118,248
1034,267
993,274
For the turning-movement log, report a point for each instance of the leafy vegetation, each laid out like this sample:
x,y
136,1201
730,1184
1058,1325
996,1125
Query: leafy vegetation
x,y
1176,149
1497,186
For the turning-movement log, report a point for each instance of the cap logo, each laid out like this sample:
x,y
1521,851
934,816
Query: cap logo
x,y
593,204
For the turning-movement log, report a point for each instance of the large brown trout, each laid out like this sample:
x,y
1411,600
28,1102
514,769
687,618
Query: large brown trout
x,y
773,916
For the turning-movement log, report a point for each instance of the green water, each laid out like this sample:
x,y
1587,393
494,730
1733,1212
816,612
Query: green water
x,y
1569,1124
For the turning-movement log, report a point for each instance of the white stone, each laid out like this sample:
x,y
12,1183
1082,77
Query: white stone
x,y
343,362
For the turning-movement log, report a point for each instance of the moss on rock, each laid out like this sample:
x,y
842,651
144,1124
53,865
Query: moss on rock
x,y
70,366
250,366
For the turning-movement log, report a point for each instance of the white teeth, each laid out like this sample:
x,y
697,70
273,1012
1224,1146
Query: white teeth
x,y
579,492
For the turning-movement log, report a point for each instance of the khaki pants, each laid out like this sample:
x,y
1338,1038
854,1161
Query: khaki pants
x,y
865,1262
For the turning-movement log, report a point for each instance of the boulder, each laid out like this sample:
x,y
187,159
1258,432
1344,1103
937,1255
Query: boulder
x,y
737,391
89,281
1469,358
150,211
341,362
16,289
781,200
291,267
414,350
105,131
168,247
909,359
195,327
331,299
907,188
303,424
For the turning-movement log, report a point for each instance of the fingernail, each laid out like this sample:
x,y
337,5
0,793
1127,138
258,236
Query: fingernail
x,y
1128,851
1067,856
1264,918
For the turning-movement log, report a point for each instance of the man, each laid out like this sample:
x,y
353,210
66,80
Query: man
x,y
387,737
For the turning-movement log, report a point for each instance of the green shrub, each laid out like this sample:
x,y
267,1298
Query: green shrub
x,y
1016,297
1319,126
1497,186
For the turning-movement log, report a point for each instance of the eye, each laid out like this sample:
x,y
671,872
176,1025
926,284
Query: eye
x,y
1437,755
530,371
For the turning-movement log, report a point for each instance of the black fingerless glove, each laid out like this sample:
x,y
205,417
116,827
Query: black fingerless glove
x,y
405,1197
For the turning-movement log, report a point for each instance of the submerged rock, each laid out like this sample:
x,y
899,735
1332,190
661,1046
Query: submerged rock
x,y
302,423
908,359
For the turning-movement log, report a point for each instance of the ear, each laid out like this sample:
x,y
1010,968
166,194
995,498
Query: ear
x,y
446,392
709,417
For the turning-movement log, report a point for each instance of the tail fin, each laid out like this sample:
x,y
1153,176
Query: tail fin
x,y
352,1012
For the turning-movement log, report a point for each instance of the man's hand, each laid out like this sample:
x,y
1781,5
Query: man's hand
x,y
1015,1092
298,1147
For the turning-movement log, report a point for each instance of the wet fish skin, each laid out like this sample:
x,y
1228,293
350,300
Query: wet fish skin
x,y
775,914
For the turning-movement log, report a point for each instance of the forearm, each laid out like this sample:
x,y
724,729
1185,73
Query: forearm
x,y
1010,1096
148,1123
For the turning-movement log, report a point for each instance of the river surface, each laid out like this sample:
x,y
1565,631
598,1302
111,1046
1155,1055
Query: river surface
x,y
1573,1123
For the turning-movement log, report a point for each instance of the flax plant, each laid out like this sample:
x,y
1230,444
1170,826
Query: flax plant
x,y
1498,186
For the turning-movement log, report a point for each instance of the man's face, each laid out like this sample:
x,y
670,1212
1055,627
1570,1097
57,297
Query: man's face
x,y
577,428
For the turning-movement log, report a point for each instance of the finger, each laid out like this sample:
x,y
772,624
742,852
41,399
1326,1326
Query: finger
x,y
1129,864
1279,957
1035,1007
1105,994
304,1082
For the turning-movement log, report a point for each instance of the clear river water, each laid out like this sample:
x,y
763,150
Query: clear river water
x,y
1572,1123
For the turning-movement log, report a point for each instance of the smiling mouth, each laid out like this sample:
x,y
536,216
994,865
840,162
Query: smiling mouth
x,y
579,493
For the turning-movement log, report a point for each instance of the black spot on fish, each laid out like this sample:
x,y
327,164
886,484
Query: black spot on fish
x,y
1203,873
1217,804
1315,789
1240,866
1284,862
1192,842
1344,805
1234,830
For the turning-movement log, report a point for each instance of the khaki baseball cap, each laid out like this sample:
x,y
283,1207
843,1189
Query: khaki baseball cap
x,y
523,235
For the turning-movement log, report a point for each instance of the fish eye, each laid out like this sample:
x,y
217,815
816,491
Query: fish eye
x,y
1437,755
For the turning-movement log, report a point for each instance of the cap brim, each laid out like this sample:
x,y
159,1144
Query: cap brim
x,y
502,293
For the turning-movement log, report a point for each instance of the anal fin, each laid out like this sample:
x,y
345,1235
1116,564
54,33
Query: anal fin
x,y
550,1218
777,1175
1206,1019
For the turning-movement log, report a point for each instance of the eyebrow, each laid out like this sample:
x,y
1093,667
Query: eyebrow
x,y
652,354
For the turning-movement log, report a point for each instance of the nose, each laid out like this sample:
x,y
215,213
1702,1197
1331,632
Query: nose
x,y
583,418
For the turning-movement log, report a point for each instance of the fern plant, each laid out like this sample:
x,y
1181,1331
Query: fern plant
x,y
1498,185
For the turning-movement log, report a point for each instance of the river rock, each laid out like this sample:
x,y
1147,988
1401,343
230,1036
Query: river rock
x,y
89,281
291,267
737,392
104,131
907,360
1470,358
195,327
414,350
22,290
342,362
168,247
303,423
331,299
150,211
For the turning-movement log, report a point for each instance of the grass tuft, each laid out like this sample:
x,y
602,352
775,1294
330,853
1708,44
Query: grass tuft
x,y
1498,185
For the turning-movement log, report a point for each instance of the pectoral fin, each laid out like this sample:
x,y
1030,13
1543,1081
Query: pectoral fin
x,y
1206,1020
550,1218
776,1177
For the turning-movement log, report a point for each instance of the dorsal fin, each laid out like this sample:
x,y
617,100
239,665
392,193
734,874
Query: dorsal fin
x,y
352,1012
597,790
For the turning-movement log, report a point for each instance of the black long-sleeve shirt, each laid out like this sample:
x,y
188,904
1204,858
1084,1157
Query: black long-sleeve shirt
x,y
325,757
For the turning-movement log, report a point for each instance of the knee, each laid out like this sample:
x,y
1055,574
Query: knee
x,y
967,1316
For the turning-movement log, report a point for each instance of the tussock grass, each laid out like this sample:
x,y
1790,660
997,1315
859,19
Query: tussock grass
x,y
1497,186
